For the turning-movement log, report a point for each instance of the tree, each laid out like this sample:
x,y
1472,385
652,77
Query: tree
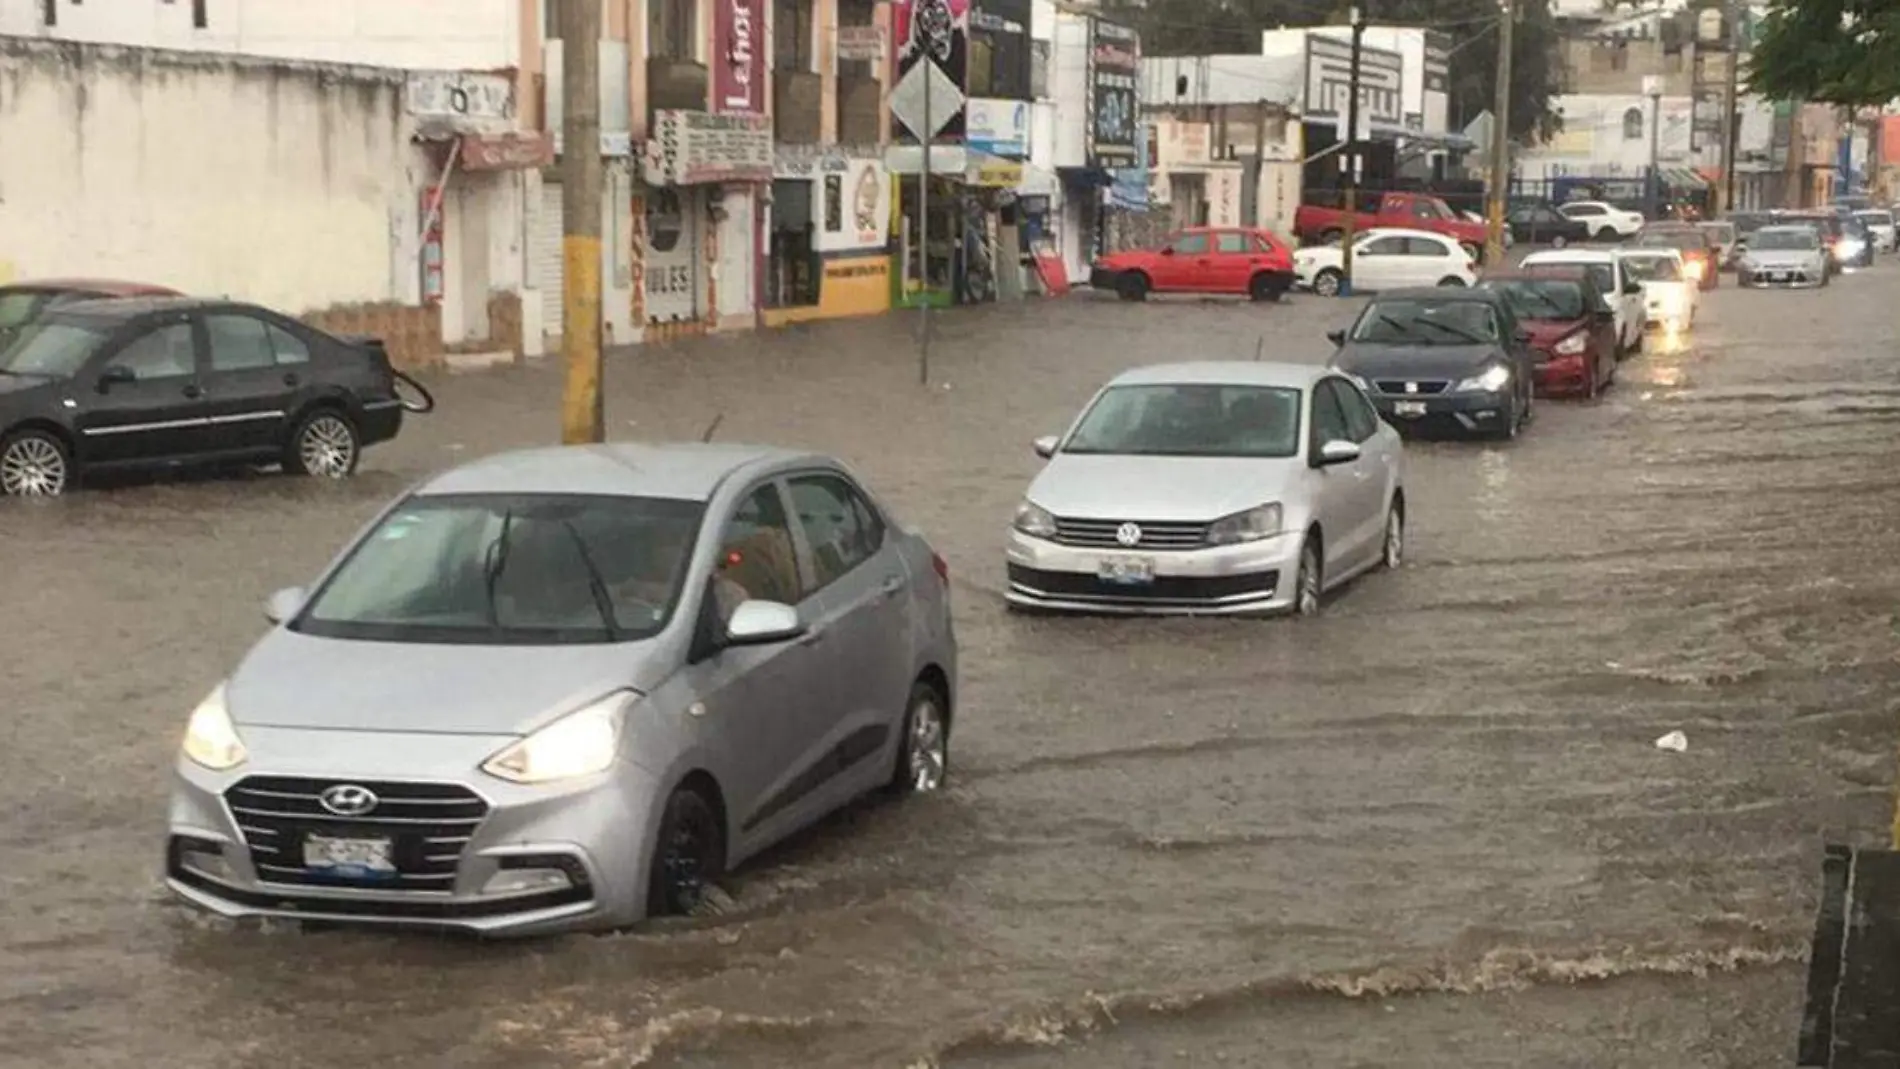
x,y
1835,51
1233,27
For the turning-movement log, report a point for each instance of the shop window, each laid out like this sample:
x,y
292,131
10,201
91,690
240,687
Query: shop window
x,y
673,29
791,35
793,265
834,203
999,64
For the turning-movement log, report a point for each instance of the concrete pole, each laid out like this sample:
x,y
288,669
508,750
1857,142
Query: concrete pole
x,y
1652,194
1500,141
1731,99
582,178
1349,157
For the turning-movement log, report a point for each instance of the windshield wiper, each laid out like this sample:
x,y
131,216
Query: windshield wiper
x,y
1456,332
603,601
491,568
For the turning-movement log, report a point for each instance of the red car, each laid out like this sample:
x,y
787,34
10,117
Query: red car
x,y
23,302
1201,260
1572,328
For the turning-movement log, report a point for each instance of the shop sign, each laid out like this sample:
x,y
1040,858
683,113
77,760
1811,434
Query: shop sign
x,y
466,102
992,173
738,67
861,43
517,151
696,148
998,127
792,162
1114,99
933,58
1329,82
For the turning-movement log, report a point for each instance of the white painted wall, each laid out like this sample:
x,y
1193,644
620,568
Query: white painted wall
x,y
1592,141
446,34
209,175
1068,81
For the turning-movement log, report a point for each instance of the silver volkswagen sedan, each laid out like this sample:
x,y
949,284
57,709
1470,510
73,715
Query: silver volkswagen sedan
x,y
568,688
1210,488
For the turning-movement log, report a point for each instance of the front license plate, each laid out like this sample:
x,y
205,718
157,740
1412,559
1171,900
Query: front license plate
x,y
1126,571
1780,276
1408,408
349,858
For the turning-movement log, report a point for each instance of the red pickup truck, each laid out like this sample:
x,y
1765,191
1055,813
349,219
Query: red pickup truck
x,y
1416,211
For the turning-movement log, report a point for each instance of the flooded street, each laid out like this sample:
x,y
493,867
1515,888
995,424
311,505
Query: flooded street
x,y
1429,828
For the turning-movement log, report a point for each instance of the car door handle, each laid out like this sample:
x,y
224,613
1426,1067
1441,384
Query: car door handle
x,y
194,392
891,586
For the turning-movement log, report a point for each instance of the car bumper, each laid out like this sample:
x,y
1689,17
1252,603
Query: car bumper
x,y
1102,278
1792,277
1251,578
473,854
1564,376
1468,412
381,421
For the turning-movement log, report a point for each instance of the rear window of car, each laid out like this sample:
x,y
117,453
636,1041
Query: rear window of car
x,y
1672,239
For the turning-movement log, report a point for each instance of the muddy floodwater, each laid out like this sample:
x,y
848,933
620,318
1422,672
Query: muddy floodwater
x,y
1430,828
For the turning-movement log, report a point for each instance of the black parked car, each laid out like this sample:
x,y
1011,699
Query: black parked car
x,y
177,380
1539,224
1442,358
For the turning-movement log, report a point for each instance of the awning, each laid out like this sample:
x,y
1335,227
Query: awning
x,y
1683,178
956,162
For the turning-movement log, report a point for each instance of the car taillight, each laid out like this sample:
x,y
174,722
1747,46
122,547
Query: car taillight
x,y
942,567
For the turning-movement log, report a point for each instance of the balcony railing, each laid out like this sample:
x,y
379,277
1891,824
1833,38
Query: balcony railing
x,y
797,107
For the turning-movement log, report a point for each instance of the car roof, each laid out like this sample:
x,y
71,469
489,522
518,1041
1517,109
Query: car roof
x,y
1223,373
1403,232
123,308
685,471
1784,227
1570,256
110,286
1564,273
1441,295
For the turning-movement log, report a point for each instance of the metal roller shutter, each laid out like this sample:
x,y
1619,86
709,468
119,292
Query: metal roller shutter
x,y
546,263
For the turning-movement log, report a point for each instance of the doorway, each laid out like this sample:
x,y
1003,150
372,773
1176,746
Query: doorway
x,y
792,268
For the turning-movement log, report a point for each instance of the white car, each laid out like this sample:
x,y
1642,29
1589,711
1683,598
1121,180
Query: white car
x,y
1628,303
1218,488
1670,295
1880,223
1607,222
1385,259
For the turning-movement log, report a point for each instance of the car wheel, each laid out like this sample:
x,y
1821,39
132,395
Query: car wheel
x,y
1606,233
324,444
1326,283
1558,241
1262,288
1132,287
923,760
1452,282
688,856
1392,553
34,463
1309,582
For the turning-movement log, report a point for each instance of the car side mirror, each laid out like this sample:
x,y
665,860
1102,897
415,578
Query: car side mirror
x,y
1045,446
1337,337
1337,451
284,604
117,374
761,623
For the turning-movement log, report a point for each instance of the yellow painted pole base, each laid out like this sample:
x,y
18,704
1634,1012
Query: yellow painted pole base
x,y
580,340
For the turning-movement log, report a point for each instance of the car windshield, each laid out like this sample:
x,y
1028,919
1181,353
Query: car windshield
x,y
1422,321
1190,420
1652,268
1541,298
1785,239
1871,218
1600,273
511,570
48,348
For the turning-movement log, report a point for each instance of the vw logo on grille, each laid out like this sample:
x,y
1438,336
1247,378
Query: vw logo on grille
x,y
1128,534
348,800
1411,387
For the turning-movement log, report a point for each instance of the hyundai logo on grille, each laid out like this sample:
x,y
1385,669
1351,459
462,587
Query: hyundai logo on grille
x,y
1128,534
348,800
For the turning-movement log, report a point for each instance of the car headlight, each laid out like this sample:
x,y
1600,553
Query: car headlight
x,y
1490,380
1572,345
1034,520
581,743
1249,526
211,739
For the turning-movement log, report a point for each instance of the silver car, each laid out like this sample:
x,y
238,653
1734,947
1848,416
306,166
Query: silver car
x,y
568,688
1784,256
1210,488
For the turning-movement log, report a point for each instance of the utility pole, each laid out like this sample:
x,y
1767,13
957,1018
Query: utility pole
x,y
1500,141
1259,154
581,181
1349,156
1731,101
1652,190
923,234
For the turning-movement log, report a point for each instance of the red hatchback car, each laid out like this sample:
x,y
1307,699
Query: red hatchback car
x,y
23,302
1572,329
1201,260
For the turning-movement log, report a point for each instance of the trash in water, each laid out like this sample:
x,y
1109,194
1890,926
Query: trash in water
x,y
1675,742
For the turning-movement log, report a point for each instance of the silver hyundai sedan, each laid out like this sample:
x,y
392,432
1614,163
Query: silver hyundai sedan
x,y
1210,488
568,688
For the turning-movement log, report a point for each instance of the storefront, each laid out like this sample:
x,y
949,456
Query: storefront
x,y
927,105
951,254
697,220
828,233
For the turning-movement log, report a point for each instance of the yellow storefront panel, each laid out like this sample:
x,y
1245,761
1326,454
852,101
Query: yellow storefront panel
x,y
857,284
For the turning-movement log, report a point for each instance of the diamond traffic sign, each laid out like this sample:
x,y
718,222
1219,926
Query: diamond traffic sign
x,y
907,99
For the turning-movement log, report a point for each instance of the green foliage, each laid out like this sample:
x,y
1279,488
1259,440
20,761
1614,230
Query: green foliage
x,y
1233,27
1833,51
